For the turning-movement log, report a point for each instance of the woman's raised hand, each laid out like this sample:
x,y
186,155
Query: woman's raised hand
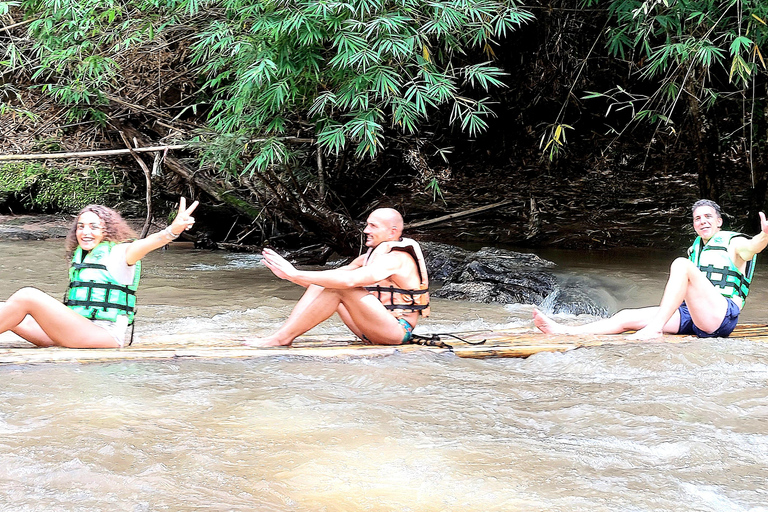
x,y
184,219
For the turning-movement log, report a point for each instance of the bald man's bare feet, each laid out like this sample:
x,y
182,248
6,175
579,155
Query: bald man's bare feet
x,y
270,341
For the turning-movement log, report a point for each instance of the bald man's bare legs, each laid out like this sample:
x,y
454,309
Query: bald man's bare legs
x,y
358,309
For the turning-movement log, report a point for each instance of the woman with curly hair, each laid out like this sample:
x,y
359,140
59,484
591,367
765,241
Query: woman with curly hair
x,y
103,278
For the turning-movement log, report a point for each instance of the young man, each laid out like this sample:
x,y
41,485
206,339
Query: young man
x,y
379,296
704,293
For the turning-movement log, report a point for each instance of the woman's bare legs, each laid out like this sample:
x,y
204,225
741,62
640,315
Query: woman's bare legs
x,y
44,321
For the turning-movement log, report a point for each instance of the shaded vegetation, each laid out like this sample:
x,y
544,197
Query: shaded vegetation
x,y
35,187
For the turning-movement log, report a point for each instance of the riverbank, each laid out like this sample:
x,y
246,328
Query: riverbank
x,y
34,227
46,226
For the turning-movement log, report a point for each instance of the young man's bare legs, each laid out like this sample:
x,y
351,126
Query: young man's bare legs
x,y
44,321
686,282
624,320
359,310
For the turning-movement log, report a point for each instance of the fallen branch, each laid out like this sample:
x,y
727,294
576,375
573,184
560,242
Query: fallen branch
x,y
457,215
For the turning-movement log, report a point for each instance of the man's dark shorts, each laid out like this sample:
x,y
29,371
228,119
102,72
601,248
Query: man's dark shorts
x,y
729,322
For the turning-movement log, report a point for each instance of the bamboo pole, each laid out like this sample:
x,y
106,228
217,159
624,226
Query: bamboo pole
x,y
112,152
86,154
19,24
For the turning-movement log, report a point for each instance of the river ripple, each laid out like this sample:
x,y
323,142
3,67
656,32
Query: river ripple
x,y
645,427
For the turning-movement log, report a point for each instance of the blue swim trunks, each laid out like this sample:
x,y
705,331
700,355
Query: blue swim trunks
x,y
408,328
729,322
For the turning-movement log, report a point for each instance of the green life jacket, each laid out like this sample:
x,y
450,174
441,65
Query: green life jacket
x,y
714,261
93,292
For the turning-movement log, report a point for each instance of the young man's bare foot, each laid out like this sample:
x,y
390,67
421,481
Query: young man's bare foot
x,y
646,333
266,342
546,324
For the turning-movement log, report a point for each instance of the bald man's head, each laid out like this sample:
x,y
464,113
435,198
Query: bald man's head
x,y
383,225
392,217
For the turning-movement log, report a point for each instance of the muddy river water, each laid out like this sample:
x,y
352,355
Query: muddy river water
x,y
631,428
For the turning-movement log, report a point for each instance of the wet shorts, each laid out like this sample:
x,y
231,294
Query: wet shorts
x,y
116,329
408,328
729,322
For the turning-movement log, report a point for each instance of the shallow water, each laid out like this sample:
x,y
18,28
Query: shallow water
x,y
645,427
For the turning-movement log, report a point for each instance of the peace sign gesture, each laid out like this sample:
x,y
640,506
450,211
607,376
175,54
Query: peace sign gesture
x,y
184,219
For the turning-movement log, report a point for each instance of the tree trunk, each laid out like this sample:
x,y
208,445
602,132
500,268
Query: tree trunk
x,y
759,161
703,143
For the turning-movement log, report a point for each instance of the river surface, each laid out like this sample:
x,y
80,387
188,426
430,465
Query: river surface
x,y
649,427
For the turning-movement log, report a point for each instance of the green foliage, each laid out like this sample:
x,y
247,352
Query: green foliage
x,y
75,45
8,93
553,140
687,47
434,187
42,188
345,73
350,70
5,7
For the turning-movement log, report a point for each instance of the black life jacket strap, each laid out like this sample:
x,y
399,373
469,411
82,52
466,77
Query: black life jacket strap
x,y
709,270
391,290
105,286
410,307
133,327
104,305
80,266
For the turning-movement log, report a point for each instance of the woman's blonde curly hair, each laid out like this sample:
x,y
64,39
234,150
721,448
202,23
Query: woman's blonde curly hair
x,y
116,229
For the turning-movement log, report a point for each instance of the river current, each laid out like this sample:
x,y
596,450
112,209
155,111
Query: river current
x,y
647,427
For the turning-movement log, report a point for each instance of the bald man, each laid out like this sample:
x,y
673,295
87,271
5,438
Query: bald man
x,y
379,296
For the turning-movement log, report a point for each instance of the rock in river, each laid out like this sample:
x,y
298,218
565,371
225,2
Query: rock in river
x,y
489,275
505,277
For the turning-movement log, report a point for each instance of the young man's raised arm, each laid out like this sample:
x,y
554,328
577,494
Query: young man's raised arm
x,y
746,248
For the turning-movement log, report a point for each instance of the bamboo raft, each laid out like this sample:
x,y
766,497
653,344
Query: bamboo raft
x,y
497,344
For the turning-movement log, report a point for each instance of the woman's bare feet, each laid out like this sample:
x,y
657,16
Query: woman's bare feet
x,y
546,324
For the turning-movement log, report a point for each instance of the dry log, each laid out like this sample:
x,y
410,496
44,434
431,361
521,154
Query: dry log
x,y
113,152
